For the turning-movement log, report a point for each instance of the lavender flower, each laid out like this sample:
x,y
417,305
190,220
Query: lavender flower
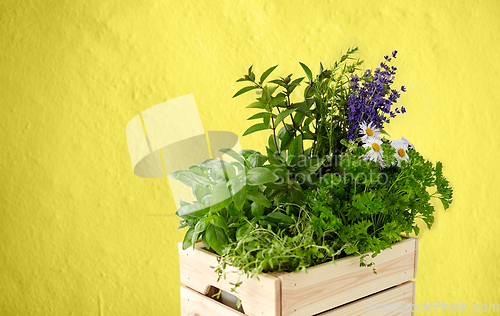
x,y
372,98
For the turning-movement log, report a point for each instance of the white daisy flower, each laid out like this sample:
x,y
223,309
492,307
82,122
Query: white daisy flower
x,y
375,153
410,145
368,130
401,147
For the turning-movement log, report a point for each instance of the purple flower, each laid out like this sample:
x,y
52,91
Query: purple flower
x,y
371,98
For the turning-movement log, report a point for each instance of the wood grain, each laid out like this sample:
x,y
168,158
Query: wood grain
x,y
259,296
196,304
330,285
394,301
322,288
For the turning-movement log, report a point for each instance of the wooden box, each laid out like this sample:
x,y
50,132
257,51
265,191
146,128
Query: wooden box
x,y
326,289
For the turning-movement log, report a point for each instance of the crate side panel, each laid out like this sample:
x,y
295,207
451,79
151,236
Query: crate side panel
x,y
394,301
326,286
259,296
416,258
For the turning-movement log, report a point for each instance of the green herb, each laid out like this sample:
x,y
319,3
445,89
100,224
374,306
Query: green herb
x,y
320,192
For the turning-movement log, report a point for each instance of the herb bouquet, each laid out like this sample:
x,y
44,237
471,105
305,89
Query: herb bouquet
x,y
330,184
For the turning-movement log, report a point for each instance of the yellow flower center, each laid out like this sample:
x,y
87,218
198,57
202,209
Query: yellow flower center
x,y
369,132
401,152
376,147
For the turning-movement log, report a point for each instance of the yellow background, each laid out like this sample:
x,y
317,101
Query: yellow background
x,y
80,234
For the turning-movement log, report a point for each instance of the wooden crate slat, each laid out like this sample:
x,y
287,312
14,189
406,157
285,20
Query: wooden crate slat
x,y
393,296
416,258
196,304
329,285
259,296
323,288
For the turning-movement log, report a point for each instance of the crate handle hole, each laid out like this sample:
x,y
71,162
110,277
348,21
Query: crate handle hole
x,y
225,298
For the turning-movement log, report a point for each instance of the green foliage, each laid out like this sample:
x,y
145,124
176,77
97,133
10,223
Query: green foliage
x,y
313,196
319,117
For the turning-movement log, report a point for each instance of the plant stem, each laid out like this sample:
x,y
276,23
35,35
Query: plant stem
x,y
274,133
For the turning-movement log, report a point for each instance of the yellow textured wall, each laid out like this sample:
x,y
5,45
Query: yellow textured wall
x,y
80,234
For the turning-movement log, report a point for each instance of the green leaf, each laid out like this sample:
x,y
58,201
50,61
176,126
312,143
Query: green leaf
x,y
200,191
286,139
256,128
280,218
240,168
273,157
189,178
232,153
278,100
270,90
245,89
266,74
197,170
216,168
295,150
271,144
308,121
314,164
256,105
307,71
260,175
200,227
243,231
239,191
304,108
202,224
257,209
229,171
219,222
186,243
260,115
220,197
247,152
257,159
205,241
233,214
192,210
297,194
298,118
217,238
279,82
294,84
308,135
258,197
183,224
384,132
282,116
